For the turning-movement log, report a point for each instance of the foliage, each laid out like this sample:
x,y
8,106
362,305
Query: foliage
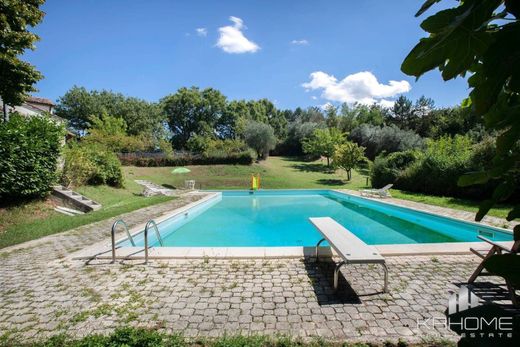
x,y
347,156
260,137
192,111
29,153
387,169
438,169
323,142
141,337
110,132
160,159
18,77
79,105
481,37
221,148
88,163
387,139
296,133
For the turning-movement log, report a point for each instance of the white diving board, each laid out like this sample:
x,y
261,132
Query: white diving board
x,y
348,246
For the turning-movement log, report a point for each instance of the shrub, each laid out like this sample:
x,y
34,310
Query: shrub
x,y
29,153
87,163
387,139
223,148
159,159
387,169
260,137
323,142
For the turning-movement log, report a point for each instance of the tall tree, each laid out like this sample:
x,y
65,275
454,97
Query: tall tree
x,y
480,37
192,111
402,112
17,77
78,105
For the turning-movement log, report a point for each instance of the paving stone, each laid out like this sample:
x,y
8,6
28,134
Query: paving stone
x,y
44,291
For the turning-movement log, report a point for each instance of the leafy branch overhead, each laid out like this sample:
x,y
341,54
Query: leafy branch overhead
x,y
18,77
480,38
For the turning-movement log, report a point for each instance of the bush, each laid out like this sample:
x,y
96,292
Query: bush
x,y
158,159
29,153
387,139
87,163
387,169
260,137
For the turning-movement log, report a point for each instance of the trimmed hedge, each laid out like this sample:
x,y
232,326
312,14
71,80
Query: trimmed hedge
x,y
29,153
146,160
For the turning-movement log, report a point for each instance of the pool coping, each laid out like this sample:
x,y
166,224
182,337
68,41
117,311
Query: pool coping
x,y
102,250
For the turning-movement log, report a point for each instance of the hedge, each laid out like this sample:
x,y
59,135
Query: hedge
x,y
147,160
90,163
29,153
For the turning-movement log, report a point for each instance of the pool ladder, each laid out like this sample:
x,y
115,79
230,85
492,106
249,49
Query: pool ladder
x,y
151,222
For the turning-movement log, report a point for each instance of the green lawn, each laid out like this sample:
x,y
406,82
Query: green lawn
x,y
37,219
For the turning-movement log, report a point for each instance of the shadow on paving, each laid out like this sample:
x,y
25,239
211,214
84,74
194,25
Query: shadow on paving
x,y
321,275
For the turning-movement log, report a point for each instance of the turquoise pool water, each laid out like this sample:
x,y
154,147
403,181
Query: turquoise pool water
x,y
281,218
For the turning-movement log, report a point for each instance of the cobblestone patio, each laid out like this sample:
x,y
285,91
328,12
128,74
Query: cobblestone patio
x,y
44,292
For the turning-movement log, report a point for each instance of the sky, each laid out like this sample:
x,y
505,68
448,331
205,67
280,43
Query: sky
x,y
295,53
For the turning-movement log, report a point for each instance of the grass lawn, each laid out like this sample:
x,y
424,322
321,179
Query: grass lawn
x,y
30,221
37,219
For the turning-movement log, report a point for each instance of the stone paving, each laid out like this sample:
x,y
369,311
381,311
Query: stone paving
x,y
44,292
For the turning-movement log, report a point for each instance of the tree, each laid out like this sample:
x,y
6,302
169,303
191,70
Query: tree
x,y
17,77
332,120
78,105
323,142
347,156
192,112
480,37
260,137
402,112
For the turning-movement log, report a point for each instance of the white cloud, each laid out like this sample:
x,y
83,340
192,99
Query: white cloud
x,y
232,39
202,32
362,87
314,97
302,42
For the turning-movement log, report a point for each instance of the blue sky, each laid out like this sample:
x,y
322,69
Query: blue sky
x,y
246,49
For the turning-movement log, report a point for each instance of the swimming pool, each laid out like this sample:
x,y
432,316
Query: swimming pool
x,y
281,219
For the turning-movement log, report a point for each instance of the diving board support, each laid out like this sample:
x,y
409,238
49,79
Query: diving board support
x,y
348,246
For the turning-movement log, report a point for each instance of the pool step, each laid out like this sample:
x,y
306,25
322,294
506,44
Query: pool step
x,y
75,200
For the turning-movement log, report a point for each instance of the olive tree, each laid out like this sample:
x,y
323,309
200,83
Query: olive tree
x,y
260,137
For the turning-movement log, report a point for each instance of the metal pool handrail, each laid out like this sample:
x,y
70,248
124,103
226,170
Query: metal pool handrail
x,y
157,233
113,234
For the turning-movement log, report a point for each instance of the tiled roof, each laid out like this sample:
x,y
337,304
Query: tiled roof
x,y
40,100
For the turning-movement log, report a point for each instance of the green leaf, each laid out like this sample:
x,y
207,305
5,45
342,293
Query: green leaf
x,y
426,6
483,209
472,178
503,190
506,266
513,214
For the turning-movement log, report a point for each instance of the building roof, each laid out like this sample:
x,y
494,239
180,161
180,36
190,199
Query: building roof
x,y
38,100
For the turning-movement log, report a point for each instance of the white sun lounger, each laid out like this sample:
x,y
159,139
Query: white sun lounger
x,y
348,246
381,193
151,189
